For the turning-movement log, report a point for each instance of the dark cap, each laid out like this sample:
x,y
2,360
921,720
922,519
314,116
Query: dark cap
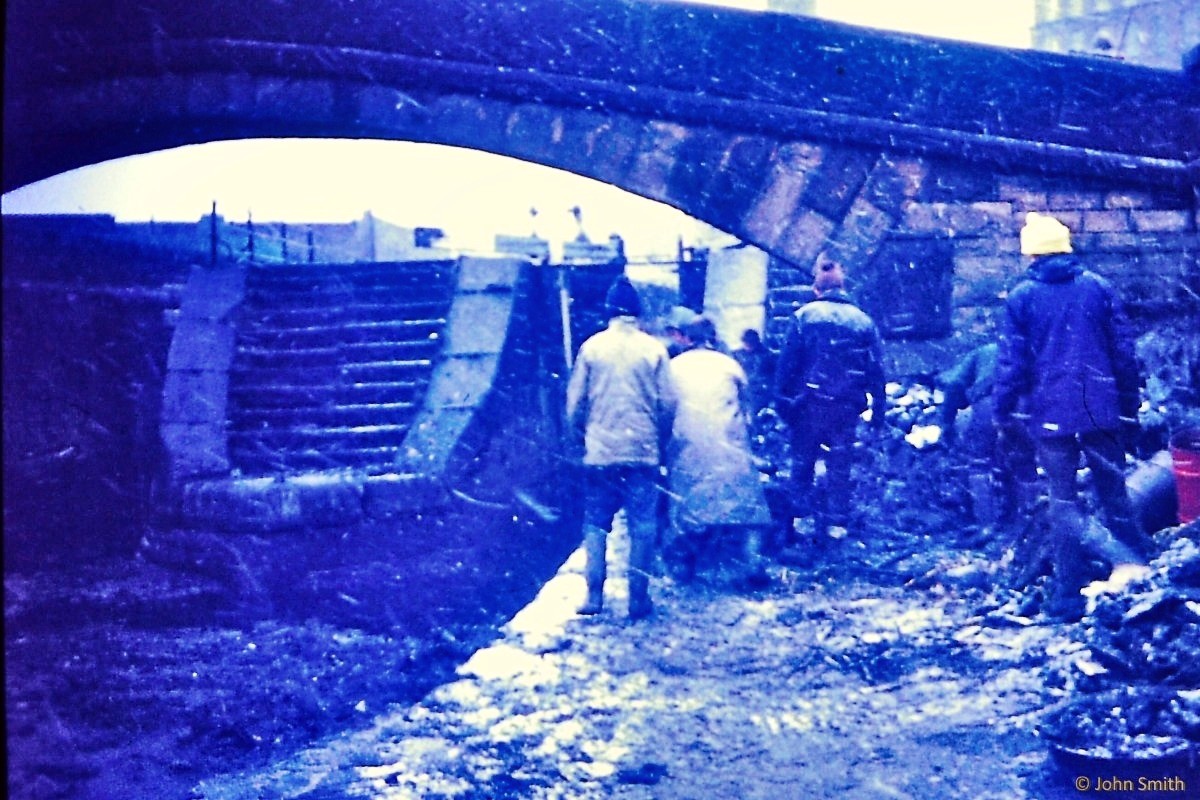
x,y
622,299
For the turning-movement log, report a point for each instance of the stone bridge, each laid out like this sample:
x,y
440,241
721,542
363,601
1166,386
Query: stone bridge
x,y
790,133
914,159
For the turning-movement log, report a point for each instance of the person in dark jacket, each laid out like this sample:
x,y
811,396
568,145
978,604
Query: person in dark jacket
x,y
758,362
1008,466
1068,377
831,360
620,397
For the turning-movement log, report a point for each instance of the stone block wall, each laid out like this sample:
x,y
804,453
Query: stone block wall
x,y
1144,240
86,333
195,395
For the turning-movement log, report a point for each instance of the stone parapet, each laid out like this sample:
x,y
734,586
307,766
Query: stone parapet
x,y
1143,240
195,391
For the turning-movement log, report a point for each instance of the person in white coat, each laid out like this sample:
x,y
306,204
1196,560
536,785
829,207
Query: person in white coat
x,y
713,481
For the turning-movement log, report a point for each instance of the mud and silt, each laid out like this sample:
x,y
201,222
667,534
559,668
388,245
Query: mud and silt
x,y
901,663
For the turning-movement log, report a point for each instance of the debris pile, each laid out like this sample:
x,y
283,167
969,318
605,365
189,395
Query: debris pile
x,y
1130,725
1150,633
905,472
1137,693
916,412
914,415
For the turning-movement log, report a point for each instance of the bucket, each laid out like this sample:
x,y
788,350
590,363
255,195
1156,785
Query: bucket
x,y
1151,490
1185,458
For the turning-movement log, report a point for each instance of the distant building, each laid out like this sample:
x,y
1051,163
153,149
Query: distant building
x,y
1152,33
215,238
581,251
799,7
534,248
368,239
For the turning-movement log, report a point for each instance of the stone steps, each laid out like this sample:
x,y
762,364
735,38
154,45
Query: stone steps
x,y
353,310
328,416
371,460
356,274
310,435
254,357
334,334
266,395
332,364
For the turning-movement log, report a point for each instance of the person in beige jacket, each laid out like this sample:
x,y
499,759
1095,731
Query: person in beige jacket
x,y
619,396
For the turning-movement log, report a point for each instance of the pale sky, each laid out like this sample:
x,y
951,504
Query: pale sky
x,y
1000,22
472,195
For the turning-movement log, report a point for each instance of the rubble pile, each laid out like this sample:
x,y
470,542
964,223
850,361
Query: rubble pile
x,y
1151,633
1129,725
1137,694
915,411
914,415
911,479
908,478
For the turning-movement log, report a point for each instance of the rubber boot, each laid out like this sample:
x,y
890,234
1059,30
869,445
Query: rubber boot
x,y
594,571
756,570
983,500
639,596
1100,541
1015,499
1067,527
1024,528
1126,530
1032,546
1028,495
680,555
641,551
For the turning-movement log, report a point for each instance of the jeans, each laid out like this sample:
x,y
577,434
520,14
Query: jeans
x,y
1105,455
608,489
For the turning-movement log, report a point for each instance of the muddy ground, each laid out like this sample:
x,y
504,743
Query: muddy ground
x,y
136,676
896,665
901,665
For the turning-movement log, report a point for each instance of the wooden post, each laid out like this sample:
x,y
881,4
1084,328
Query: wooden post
x,y
212,235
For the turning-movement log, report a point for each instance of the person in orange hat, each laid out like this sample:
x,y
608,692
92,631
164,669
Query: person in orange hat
x,y
831,361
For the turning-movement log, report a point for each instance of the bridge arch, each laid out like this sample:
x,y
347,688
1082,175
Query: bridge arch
x,y
792,134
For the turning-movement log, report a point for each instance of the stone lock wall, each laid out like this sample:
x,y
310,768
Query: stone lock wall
x,y
87,324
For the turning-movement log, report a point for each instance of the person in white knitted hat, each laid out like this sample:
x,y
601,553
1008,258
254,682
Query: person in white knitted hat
x,y
1067,376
